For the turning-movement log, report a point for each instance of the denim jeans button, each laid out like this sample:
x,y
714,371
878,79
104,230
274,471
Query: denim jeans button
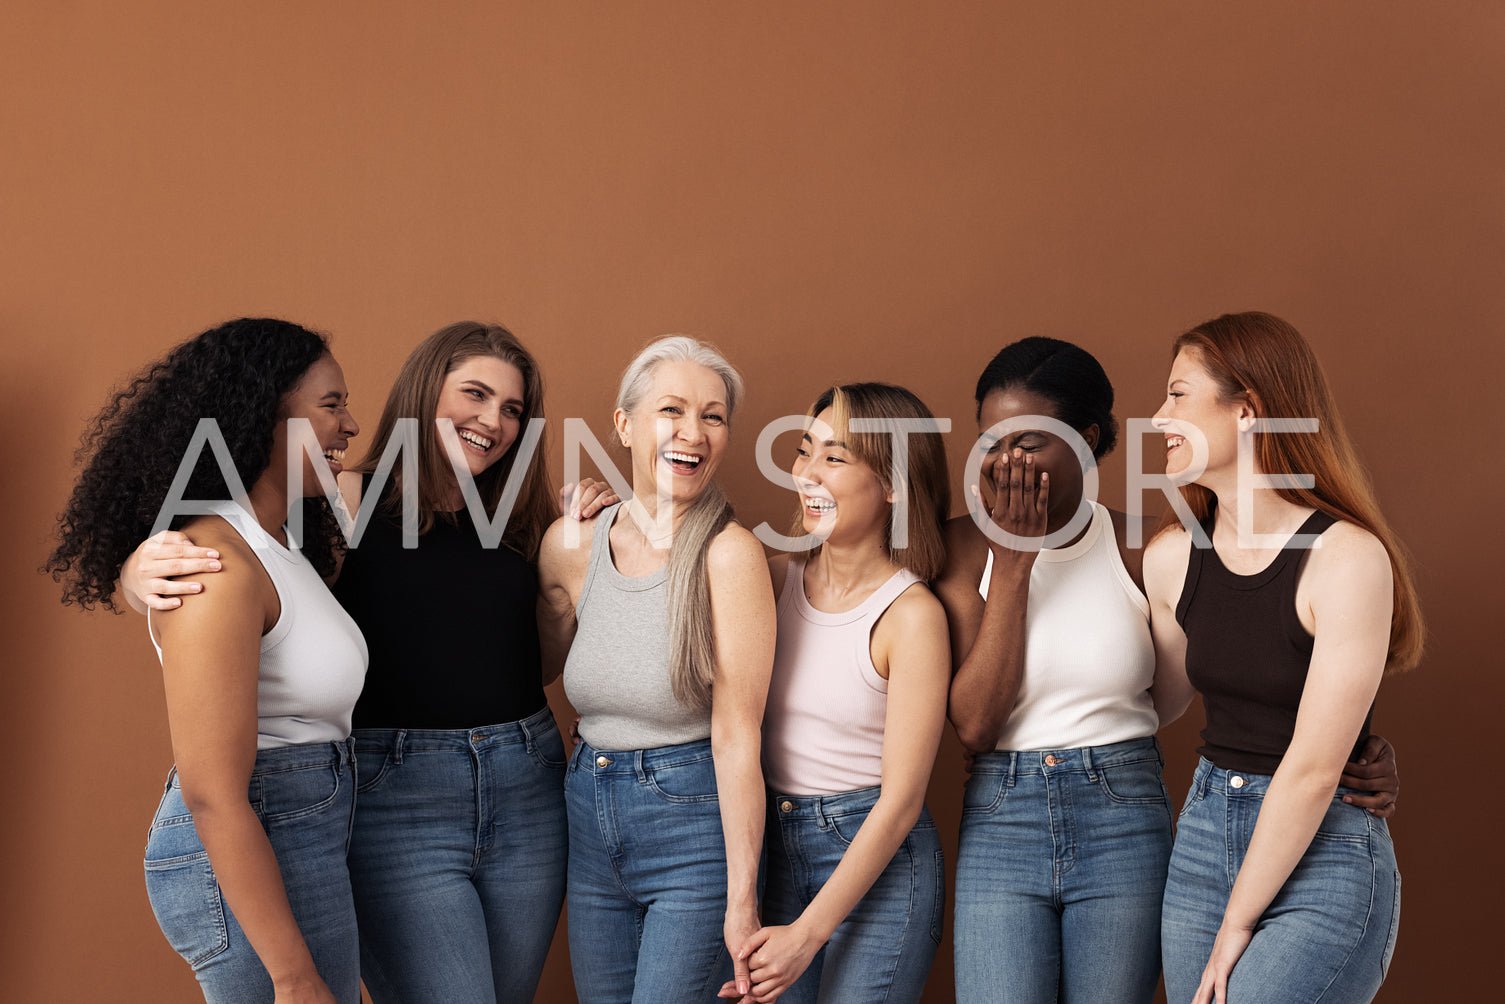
x,y
1050,760
786,806
601,761
478,737
1236,781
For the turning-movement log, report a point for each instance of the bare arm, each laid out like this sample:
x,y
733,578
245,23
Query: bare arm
x,y
1349,587
1165,560
910,643
561,575
742,611
991,666
210,657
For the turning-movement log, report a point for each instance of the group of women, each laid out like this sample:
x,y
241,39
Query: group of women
x,y
743,813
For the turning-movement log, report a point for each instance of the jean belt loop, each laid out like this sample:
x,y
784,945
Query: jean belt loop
x,y
1087,762
397,741
818,803
637,764
527,734
1013,767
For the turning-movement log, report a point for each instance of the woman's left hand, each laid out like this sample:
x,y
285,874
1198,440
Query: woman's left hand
x,y
584,500
1226,951
777,957
739,929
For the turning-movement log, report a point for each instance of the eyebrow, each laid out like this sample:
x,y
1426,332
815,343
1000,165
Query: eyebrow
x,y
665,398
1181,382
839,444
330,394
479,383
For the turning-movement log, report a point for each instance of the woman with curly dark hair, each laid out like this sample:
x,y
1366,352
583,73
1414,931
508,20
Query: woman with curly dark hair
x,y
245,860
457,854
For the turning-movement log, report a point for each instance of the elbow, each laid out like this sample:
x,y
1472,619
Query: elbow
x,y
976,733
206,802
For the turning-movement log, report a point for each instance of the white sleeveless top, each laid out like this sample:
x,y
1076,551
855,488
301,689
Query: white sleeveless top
x,y
823,727
313,660
1088,658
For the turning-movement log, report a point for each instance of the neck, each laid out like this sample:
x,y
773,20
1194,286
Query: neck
x,y
848,567
269,503
1268,512
644,514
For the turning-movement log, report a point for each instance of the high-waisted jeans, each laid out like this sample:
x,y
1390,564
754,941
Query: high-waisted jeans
x,y
1328,934
304,796
884,948
647,875
457,860
1059,875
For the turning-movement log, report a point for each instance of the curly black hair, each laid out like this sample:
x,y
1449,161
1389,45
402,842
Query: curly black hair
x,y
236,374
1068,375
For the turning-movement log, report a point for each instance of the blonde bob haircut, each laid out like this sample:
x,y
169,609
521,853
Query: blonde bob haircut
x,y
927,481
692,637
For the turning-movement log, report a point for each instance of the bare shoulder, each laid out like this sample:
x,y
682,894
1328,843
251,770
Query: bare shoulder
x,y
1165,560
915,609
1348,555
778,570
566,546
350,489
735,552
241,591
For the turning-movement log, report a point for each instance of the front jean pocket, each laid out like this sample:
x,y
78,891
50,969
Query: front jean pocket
x,y
547,749
983,793
186,899
685,782
844,825
289,794
1138,783
372,766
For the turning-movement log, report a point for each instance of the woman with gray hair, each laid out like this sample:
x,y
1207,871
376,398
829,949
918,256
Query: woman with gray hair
x,y
661,612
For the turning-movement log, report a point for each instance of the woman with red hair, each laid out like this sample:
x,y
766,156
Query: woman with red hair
x,y
1284,604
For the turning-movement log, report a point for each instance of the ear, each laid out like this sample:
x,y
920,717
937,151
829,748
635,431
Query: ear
x,y
1246,413
619,419
1091,434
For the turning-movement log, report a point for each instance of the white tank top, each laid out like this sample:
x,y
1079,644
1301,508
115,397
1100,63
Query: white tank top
x,y
1088,658
823,727
313,660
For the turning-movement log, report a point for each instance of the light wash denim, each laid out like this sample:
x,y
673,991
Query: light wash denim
x,y
1330,931
884,948
1059,875
304,796
647,875
457,860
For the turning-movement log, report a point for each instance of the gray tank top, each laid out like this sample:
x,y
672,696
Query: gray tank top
x,y
617,672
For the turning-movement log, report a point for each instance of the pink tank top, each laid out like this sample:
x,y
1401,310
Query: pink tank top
x,y
823,728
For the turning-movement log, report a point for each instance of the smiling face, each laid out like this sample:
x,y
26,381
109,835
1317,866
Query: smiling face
x,y
1052,454
841,497
678,431
484,397
1194,401
322,398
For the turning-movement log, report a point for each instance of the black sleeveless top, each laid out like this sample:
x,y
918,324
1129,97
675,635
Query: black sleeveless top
x,y
450,625
1248,654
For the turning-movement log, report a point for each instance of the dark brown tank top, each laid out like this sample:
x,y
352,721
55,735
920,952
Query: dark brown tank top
x,y
1248,653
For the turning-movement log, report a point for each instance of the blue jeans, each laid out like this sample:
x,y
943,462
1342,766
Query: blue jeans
x,y
457,860
304,797
647,883
884,948
1059,875
1329,932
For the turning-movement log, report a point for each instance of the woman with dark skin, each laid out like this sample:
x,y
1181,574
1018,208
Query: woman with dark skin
x,y
1054,696
260,674
458,846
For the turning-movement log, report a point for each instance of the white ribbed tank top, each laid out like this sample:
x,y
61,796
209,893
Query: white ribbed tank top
x,y
1088,660
823,727
313,660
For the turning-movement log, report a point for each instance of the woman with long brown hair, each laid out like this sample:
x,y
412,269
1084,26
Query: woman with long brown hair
x,y
457,849
1284,604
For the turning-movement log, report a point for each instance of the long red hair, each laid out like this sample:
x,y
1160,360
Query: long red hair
x,y
1266,361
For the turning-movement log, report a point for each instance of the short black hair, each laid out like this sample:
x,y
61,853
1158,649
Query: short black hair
x,y
1068,375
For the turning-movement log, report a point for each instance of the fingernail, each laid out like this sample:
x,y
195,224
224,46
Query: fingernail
x,y
213,566
1348,799
742,988
214,554
198,586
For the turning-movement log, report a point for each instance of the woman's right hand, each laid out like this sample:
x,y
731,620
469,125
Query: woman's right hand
x,y
1021,502
149,577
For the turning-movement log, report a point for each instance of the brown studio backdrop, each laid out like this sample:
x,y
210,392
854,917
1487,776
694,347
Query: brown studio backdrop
x,y
831,192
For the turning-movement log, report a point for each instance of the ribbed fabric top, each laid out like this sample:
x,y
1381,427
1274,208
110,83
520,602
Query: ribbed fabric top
x,y
1088,657
452,627
313,660
617,672
1248,653
823,727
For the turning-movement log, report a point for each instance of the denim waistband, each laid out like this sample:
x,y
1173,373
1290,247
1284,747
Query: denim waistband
x,y
597,761
283,758
819,807
399,741
1210,778
1088,759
